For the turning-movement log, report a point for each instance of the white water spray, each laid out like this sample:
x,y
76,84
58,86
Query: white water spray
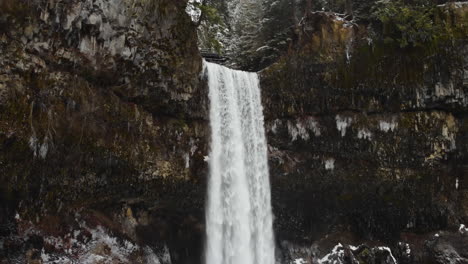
x,y
238,214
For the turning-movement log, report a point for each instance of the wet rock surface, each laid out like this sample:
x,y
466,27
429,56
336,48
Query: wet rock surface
x,y
102,110
369,139
104,137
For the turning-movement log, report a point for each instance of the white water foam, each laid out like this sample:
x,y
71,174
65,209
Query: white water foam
x,y
238,214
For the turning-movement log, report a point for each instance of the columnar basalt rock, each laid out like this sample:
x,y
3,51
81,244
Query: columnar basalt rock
x,y
104,131
103,112
368,137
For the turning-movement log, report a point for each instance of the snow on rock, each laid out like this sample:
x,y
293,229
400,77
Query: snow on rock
x,y
353,248
313,125
88,45
193,147
406,247
302,128
294,253
33,144
297,130
449,132
386,126
72,15
463,229
39,150
187,160
334,257
337,255
162,258
457,4
151,257
330,164
193,11
95,245
299,261
100,247
44,149
263,48
389,252
276,124
365,134
165,256
342,123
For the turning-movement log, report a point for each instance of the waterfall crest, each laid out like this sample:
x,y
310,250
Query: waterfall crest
x,y
238,213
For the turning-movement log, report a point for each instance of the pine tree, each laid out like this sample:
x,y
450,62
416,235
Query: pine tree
x,y
246,29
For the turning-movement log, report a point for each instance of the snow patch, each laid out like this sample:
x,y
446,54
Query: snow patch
x,y
337,255
165,256
44,256
457,4
95,19
162,258
389,252
151,257
297,130
193,11
44,149
348,53
313,125
330,164
342,123
274,127
101,247
88,46
463,229
406,247
299,261
39,149
187,160
263,48
334,257
294,253
193,147
33,144
303,128
449,136
365,134
388,126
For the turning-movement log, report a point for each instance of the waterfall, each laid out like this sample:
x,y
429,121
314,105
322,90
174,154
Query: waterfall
x,y
238,215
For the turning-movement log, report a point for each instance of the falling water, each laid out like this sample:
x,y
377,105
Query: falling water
x,y
238,215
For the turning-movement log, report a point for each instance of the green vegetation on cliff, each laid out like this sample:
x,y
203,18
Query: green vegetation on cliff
x,y
416,25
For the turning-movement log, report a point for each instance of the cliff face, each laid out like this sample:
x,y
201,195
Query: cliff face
x,y
103,137
367,139
102,112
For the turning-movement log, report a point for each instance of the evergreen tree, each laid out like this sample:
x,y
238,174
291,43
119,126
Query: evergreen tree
x,y
210,17
245,33
254,33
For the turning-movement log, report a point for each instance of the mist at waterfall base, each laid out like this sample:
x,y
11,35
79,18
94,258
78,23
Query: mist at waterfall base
x,y
238,211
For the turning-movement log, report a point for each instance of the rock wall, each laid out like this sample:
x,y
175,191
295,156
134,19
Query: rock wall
x,y
367,139
103,113
103,138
